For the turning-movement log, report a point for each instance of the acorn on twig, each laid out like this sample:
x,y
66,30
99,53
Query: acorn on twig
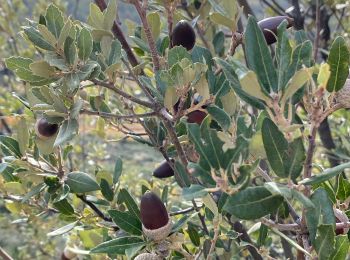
x,y
156,223
183,35
44,129
164,170
269,27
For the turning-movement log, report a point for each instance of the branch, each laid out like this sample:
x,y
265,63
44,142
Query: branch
x,y
94,208
113,116
4,254
238,227
118,33
282,227
142,13
318,25
183,211
122,93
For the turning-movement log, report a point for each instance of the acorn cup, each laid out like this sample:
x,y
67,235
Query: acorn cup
x,y
147,256
183,35
156,223
269,27
44,129
164,170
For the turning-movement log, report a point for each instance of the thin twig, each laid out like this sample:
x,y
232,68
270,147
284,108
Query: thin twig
x,y
142,13
94,208
5,255
118,33
282,227
181,212
122,93
318,25
114,116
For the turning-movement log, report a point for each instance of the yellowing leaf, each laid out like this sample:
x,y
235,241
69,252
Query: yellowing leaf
x,y
251,85
323,75
170,98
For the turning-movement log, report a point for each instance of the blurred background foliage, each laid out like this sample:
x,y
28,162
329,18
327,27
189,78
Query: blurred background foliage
x,y
96,149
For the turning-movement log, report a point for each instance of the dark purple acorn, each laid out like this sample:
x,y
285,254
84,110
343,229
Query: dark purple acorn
x,y
196,116
44,129
153,212
269,27
163,170
183,35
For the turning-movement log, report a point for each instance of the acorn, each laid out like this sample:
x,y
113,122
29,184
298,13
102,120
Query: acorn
x,y
269,27
183,35
164,170
196,116
147,256
44,129
156,223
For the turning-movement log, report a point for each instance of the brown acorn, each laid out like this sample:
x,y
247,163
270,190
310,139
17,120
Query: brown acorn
x,y
156,223
163,170
44,129
269,27
196,116
183,35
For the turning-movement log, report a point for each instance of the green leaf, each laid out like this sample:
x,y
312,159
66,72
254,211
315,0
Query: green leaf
x,y
322,213
126,221
66,31
181,175
176,54
71,82
258,56
289,194
341,248
283,54
222,20
325,241
220,116
70,50
106,190
63,230
193,234
118,245
251,86
68,130
37,39
275,146
232,78
294,158
84,44
42,69
252,203
22,135
95,18
34,191
64,207
115,53
54,20
202,55
326,175
118,168
80,182
11,145
154,22
299,79
125,197
193,192
48,36
339,61
110,15
301,56
343,189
